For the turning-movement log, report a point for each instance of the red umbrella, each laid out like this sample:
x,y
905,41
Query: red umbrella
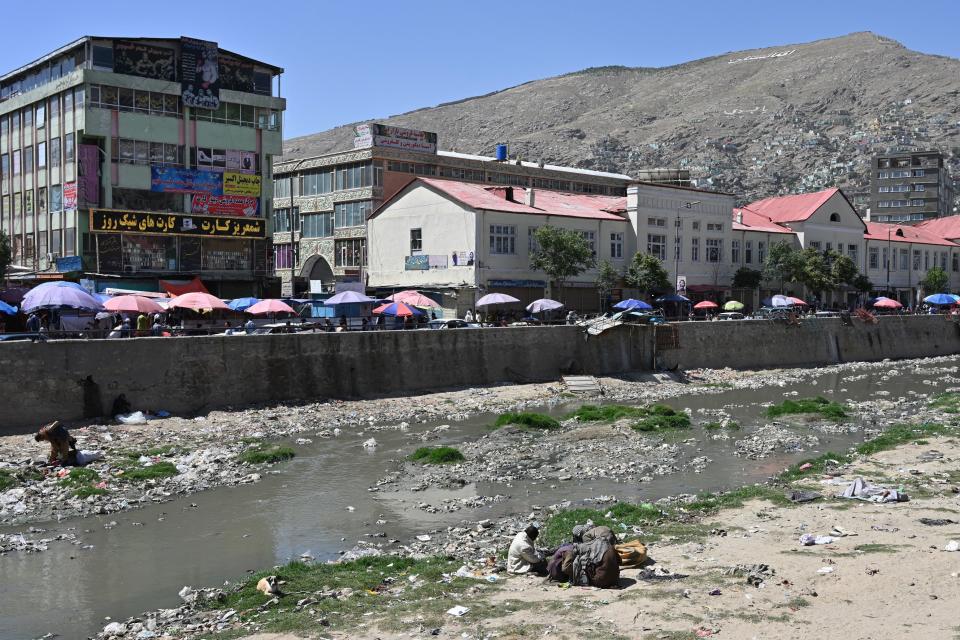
x,y
887,303
797,301
270,306
414,298
196,301
396,309
132,304
706,304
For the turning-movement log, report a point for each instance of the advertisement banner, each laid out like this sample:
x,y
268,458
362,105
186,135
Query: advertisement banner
x,y
681,284
241,184
379,135
236,74
225,205
199,74
242,161
70,196
135,59
69,263
116,221
88,184
416,263
176,180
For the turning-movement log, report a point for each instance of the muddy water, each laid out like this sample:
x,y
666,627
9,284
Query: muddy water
x,y
142,560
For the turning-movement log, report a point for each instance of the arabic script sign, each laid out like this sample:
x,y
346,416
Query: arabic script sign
x,y
241,184
115,221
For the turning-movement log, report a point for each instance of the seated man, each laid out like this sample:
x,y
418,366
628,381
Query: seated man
x,y
594,561
523,557
63,446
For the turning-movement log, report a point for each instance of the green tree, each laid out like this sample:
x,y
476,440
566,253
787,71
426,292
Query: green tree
x,y
935,281
784,264
816,274
6,255
561,254
843,270
862,283
747,278
646,273
607,279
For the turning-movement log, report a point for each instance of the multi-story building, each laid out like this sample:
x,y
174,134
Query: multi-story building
x,y
910,187
129,160
321,204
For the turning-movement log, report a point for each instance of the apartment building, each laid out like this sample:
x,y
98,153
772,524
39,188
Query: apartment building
x,y
910,187
321,204
126,161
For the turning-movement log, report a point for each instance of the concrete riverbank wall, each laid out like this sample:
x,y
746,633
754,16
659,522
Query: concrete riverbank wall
x,y
72,380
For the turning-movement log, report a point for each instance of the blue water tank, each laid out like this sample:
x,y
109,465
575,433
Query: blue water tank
x,y
501,152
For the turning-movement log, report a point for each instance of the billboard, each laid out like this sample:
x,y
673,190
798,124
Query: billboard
x,y
176,180
199,74
117,221
380,135
225,205
241,184
146,61
88,184
70,196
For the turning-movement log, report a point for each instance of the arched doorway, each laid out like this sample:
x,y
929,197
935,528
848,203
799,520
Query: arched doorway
x,y
317,268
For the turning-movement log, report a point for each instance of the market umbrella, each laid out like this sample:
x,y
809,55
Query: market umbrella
x,y
398,309
132,304
347,297
940,299
242,304
781,301
495,298
673,297
51,295
13,295
798,301
270,306
732,305
10,310
706,304
886,303
543,304
414,298
631,303
197,301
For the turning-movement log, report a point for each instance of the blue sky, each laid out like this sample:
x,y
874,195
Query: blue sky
x,y
349,61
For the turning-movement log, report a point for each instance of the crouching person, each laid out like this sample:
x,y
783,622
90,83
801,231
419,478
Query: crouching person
x,y
523,557
595,561
63,446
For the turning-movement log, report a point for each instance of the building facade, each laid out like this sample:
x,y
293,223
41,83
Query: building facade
x,y
125,161
910,187
321,203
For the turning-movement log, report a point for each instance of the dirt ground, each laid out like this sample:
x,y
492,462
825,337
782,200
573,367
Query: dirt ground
x,y
892,579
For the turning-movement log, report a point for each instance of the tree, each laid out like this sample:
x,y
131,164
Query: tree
x,y
784,264
862,283
607,279
561,254
646,273
843,270
6,255
935,281
815,274
747,278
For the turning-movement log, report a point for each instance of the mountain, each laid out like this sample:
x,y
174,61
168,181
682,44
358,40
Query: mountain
x,y
756,123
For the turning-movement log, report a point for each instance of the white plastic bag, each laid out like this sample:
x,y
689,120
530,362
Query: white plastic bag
x,y
136,417
85,457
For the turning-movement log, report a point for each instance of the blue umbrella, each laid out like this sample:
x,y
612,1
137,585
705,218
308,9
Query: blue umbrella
x,y
398,309
672,297
7,309
631,303
940,298
60,294
242,304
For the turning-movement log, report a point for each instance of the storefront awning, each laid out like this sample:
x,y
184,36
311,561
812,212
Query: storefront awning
x,y
180,287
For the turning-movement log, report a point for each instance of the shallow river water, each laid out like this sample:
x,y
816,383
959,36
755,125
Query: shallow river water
x,y
142,561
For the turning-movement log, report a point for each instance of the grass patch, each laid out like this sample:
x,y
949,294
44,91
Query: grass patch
x,y
606,413
7,479
526,420
653,418
714,426
139,473
819,465
902,433
152,452
79,477
88,490
266,454
948,402
710,503
819,405
877,548
558,528
437,455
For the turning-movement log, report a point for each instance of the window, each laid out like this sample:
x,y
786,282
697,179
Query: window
x,y
735,251
56,198
714,250
4,166
351,214
285,219
916,202
657,246
27,121
943,260
904,260
834,217
317,225
281,187
714,226
4,125
956,262
656,222
874,258
695,249
42,155
68,147
532,245
54,152
916,259
884,258
829,247
852,252
142,152
412,167
16,162
353,176
919,187
28,160
926,260
616,246
350,253
695,225
917,173
318,182
748,251
41,117
816,245
282,256
416,241
503,239
590,237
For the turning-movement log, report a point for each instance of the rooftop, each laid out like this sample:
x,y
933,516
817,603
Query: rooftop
x,y
793,208
755,222
904,233
946,227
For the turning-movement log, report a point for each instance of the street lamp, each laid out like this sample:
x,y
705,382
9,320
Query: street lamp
x,y
676,239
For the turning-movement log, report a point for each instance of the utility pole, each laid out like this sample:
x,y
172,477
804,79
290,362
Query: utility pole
x,y
676,240
889,258
293,240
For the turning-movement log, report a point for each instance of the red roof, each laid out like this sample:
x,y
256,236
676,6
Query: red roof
x,y
948,227
791,208
755,222
904,233
546,203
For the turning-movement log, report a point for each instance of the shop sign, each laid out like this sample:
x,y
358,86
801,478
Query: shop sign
x,y
199,74
516,283
117,221
225,205
146,61
176,180
416,263
70,196
379,135
69,263
241,184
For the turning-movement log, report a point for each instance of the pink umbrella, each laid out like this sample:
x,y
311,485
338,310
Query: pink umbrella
x,y
887,303
414,298
706,304
133,304
397,309
270,306
197,301
797,301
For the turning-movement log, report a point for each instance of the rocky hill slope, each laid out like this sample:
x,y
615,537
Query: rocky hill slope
x,y
756,123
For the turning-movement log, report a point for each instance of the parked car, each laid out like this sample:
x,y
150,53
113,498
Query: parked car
x,y
730,315
770,313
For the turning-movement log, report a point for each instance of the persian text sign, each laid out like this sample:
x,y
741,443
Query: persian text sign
x,y
70,196
379,135
175,180
416,263
199,74
114,221
241,184
225,205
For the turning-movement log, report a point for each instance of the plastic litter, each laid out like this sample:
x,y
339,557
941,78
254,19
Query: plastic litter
x,y
163,414
458,610
953,545
808,539
423,538
825,570
370,444
85,457
136,417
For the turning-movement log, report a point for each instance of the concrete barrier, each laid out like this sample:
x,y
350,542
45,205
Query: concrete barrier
x,y
76,379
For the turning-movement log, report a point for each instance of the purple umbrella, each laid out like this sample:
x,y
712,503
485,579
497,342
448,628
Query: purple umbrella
x,y
543,304
345,297
59,294
495,298
13,295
